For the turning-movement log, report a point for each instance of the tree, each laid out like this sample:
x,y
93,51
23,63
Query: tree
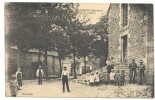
x,y
61,44
84,45
32,24
100,44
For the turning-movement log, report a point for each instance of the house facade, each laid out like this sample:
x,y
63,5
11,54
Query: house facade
x,y
131,35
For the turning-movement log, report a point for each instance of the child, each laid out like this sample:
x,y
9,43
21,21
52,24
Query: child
x,y
112,75
107,78
19,78
13,86
122,78
91,79
117,78
97,80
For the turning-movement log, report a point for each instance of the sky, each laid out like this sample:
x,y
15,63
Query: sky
x,y
93,11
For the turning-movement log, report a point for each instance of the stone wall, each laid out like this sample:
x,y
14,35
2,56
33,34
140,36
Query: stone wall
x,y
113,30
28,62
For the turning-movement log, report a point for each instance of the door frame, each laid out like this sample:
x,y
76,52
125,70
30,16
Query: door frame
x,y
122,49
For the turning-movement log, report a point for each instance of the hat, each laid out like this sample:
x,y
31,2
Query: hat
x,y
141,61
39,66
133,58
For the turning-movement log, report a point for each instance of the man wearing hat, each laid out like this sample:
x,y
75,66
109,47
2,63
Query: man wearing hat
x,y
39,74
141,69
65,77
133,73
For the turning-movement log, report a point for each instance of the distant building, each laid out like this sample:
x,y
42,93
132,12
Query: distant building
x,y
131,34
29,61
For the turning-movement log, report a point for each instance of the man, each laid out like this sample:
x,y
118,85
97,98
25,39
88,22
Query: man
x,y
141,69
39,74
65,77
132,74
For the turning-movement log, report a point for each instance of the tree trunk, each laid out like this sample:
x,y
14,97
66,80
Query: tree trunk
x,y
46,67
39,55
85,64
53,65
74,62
60,67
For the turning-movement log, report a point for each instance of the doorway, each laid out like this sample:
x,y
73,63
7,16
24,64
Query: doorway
x,y
124,48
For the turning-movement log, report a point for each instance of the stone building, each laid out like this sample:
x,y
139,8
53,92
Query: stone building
x,y
131,35
28,61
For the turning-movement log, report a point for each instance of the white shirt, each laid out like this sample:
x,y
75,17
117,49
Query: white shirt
x,y
65,73
108,62
97,79
112,75
37,73
92,78
91,68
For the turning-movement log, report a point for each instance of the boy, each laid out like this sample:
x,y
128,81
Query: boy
x,y
112,75
122,78
117,78
13,86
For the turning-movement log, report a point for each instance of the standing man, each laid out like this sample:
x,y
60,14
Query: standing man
x,y
65,77
132,74
141,69
19,78
40,74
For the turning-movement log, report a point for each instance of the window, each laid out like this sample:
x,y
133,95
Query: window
x,y
124,14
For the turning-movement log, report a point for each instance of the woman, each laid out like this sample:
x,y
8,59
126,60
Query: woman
x,y
65,77
19,78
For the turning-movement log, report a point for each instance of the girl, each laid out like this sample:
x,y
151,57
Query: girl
x,y
19,78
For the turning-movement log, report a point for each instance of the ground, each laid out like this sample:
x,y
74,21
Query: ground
x,y
53,88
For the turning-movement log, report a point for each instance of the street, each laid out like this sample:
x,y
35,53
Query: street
x,y
53,88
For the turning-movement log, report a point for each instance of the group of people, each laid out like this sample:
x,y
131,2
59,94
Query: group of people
x,y
117,76
112,77
133,72
16,80
94,79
